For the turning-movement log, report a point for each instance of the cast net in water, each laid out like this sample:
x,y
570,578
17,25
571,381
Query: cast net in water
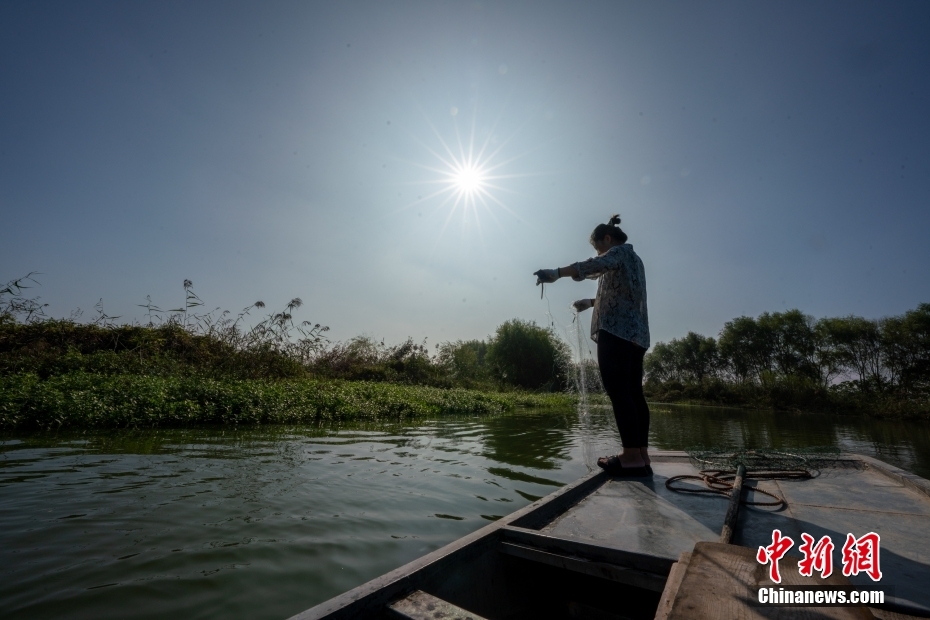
x,y
583,375
583,379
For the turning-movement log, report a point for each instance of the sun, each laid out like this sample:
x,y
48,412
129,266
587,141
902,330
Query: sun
x,y
468,175
468,179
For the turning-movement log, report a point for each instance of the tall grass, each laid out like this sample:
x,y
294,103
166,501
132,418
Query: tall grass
x,y
183,366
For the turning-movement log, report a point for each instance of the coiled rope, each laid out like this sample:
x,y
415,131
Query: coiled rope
x,y
720,482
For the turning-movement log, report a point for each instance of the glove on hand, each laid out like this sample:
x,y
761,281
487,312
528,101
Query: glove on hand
x,y
546,276
583,304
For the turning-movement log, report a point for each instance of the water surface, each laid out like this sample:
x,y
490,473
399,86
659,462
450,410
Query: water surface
x,y
265,522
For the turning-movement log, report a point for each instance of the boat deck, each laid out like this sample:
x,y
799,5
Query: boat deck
x,y
643,516
631,532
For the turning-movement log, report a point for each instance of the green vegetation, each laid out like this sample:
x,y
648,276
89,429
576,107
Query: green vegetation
x,y
81,399
183,368
789,360
523,354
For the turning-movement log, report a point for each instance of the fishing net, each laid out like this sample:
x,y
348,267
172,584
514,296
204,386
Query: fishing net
x,y
717,469
763,459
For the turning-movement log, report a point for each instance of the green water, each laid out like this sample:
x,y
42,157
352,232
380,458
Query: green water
x,y
266,522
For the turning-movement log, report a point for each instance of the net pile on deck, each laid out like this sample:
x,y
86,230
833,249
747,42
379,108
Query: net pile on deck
x,y
718,469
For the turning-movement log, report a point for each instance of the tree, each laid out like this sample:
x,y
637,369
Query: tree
x,y
523,354
661,364
856,345
793,343
690,359
464,360
746,349
917,370
906,349
698,354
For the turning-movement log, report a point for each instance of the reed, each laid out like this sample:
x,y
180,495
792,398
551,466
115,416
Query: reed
x,y
183,366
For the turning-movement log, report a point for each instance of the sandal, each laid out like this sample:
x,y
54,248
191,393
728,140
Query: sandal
x,y
614,467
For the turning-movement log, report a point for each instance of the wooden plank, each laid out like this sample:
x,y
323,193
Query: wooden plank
x,y
558,504
722,581
371,597
588,551
912,481
423,606
729,520
620,574
671,586
669,456
898,610
368,599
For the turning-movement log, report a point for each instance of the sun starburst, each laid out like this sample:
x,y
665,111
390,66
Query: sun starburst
x,y
467,174
468,179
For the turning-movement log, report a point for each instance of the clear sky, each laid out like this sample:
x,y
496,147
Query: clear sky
x,y
763,156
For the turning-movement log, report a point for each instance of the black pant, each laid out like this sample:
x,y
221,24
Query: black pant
x,y
621,365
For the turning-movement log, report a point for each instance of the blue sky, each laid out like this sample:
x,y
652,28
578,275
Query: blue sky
x,y
763,156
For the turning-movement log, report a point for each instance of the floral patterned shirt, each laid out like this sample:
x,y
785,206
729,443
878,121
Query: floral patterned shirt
x,y
620,305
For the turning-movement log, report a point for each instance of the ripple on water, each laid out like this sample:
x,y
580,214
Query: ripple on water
x,y
265,522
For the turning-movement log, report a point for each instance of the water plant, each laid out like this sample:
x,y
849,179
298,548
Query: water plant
x,y
189,366
88,400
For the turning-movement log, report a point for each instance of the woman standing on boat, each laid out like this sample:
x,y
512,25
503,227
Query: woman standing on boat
x,y
620,327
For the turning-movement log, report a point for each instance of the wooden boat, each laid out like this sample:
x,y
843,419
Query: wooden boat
x,y
613,548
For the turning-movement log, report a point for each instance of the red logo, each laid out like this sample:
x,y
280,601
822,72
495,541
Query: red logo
x,y
774,552
861,556
816,557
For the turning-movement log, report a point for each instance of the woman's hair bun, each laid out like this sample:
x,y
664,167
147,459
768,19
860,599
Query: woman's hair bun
x,y
610,228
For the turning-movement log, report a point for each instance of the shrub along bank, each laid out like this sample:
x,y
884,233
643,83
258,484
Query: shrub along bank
x,y
183,368
88,400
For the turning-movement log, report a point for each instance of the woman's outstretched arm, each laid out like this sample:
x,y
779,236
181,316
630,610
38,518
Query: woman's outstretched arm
x,y
547,276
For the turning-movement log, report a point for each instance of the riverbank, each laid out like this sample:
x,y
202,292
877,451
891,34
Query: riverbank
x,y
185,369
791,396
86,400
792,361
